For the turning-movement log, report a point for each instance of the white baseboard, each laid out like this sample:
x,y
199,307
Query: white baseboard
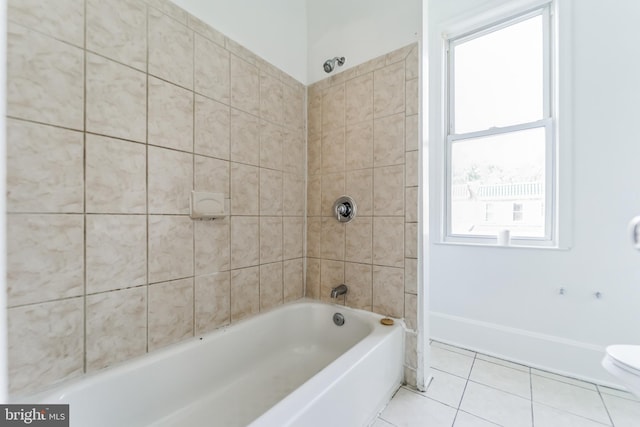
x,y
547,352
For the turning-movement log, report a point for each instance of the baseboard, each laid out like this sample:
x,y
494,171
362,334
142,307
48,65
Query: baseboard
x,y
547,352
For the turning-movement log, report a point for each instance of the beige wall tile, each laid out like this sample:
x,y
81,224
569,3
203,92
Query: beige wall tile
x,y
45,257
271,233
388,291
412,168
411,275
388,140
170,181
359,99
170,120
411,311
293,194
359,245
245,86
212,128
271,286
371,65
116,327
171,9
212,301
44,79
331,275
314,112
411,240
62,19
333,186
314,199
411,349
333,239
244,53
388,241
170,312
245,232
293,273
360,187
245,138
245,187
271,99
116,100
211,175
413,97
170,49
293,150
358,278
205,30
44,168
116,174
117,29
359,145
397,55
45,344
388,190
212,246
293,107
245,293
412,67
411,133
411,204
212,70
293,233
314,236
314,156
333,108
170,247
333,150
388,93
312,283
270,146
270,192
116,252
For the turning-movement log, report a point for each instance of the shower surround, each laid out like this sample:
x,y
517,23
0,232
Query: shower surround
x,y
362,141
116,111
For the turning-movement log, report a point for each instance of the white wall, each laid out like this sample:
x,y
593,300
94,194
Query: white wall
x,y
505,301
359,30
298,36
276,30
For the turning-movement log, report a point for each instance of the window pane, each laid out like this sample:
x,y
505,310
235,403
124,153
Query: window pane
x,y
498,78
498,184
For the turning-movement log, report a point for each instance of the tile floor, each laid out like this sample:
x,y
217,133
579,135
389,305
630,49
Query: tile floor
x,y
474,390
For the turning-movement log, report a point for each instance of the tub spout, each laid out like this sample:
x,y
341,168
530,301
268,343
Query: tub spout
x,y
338,290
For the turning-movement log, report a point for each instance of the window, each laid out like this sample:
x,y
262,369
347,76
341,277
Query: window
x,y
500,141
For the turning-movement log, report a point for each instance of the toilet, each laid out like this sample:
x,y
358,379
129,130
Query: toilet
x,y
623,362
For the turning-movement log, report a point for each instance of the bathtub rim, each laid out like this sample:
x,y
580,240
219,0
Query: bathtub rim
x,y
56,392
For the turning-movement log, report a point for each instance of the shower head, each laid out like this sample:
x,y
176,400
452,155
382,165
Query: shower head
x,y
329,64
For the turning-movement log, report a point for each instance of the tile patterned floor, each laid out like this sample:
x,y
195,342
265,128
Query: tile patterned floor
x,y
474,390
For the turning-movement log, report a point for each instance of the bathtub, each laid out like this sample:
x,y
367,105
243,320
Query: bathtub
x,y
288,367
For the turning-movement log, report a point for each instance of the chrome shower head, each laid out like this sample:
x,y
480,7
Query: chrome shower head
x,y
329,64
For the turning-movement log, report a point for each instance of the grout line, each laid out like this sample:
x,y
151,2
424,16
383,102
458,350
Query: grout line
x,y
531,394
84,176
147,338
606,408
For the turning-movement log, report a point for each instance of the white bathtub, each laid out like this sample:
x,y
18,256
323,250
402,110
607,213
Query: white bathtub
x,y
288,367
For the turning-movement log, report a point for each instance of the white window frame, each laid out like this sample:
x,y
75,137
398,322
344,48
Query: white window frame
x,y
488,20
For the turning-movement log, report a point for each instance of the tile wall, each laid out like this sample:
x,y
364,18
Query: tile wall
x,y
363,142
117,110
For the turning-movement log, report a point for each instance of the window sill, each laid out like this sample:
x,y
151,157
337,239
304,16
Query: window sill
x,y
496,246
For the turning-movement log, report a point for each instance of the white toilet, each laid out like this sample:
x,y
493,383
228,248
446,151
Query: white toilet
x,y
623,362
